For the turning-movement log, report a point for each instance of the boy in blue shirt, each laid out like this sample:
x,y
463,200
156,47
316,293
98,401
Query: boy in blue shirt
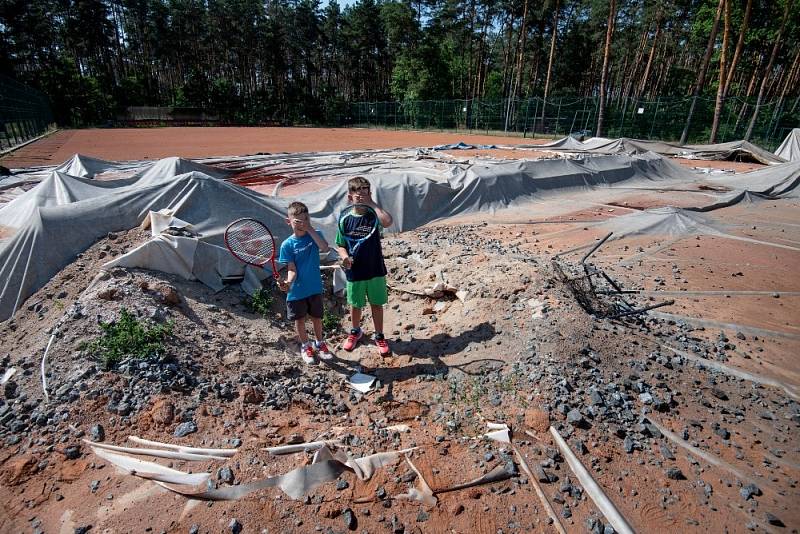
x,y
303,284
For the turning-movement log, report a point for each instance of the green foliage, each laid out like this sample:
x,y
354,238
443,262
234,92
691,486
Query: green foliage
x,y
252,62
128,337
261,302
331,322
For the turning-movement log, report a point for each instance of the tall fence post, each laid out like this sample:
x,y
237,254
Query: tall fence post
x,y
558,115
655,115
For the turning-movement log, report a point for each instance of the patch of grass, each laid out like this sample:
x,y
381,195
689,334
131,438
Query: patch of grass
x,y
129,337
331,322
261,302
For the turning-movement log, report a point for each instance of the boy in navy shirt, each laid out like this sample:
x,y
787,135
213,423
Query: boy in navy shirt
x,y
366,277
303,283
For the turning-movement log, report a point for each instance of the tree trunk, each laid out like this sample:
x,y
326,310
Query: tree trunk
x,y
767,71
739,45
550,61
601,113
701,75
722,71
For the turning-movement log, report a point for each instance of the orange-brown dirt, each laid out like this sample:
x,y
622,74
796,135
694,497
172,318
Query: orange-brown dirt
x,y
515,347
156,143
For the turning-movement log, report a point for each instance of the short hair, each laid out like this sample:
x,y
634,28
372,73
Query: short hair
x,y
297,208
357,182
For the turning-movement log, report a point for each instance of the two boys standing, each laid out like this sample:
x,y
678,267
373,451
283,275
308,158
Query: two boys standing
x,y
366,276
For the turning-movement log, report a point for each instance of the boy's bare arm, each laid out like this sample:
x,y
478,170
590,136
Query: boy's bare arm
x,y
319,240
291,276
384,216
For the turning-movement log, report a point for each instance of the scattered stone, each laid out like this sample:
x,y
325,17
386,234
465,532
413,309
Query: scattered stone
x,y
342,485
194,529
722,432
675,474
97,433
628,444
234,526
225,475
718,393
73,452
184,429
575,418
422,516
749,490
349,519
666,452
83,529
773,520
397,526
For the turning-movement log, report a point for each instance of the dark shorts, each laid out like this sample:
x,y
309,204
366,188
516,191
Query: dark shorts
x,y
298,309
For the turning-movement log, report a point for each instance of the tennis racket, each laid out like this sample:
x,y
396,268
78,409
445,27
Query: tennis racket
x,y
357,223
252,243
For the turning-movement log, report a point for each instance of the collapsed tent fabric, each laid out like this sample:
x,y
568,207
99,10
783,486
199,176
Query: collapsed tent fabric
x,y
734,150
790,148
64,215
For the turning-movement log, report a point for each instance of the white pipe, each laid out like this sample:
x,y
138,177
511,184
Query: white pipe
x,y
592,488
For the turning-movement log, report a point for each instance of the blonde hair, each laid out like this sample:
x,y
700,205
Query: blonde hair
x,y
357,182
297,208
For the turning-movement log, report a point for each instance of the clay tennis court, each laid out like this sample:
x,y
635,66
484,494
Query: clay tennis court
x,y
156,143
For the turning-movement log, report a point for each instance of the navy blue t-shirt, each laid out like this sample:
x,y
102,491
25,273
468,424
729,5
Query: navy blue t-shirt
x,y
368,260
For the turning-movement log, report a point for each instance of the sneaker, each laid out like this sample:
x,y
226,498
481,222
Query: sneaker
x,y
352,340
307,353
323,352
383,345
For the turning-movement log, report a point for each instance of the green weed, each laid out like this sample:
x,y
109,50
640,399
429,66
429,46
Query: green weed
x,y
129,337
261,302
331,322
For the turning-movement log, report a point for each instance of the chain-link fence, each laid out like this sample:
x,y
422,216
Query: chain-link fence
x,y
662,118
24,113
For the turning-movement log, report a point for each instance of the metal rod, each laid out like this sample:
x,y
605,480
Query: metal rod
x,y
598,245
642,310
612,282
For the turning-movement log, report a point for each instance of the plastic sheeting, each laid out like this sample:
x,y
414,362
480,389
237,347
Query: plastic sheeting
x,y
790,148
64,215
734,150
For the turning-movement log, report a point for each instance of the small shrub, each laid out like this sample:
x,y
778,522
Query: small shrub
x,y
261,302
330,321
129,337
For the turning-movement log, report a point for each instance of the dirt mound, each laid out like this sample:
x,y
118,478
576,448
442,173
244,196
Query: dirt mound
x,y
482,330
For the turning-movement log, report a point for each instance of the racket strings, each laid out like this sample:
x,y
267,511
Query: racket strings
x,y
361,225
252,241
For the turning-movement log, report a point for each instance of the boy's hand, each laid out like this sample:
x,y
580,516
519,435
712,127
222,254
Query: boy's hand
x,y
300,223
283,285
347,262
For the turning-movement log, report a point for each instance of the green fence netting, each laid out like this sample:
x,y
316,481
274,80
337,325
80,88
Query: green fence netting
x,y
24,113
660,118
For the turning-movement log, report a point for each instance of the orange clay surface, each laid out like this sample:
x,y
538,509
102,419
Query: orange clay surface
x,y
155,143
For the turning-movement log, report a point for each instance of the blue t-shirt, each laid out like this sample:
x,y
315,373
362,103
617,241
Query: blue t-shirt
x,y
304,252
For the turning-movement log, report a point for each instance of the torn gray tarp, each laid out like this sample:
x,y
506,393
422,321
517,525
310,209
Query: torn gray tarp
x,y
733,150
42,231
325,467
790,148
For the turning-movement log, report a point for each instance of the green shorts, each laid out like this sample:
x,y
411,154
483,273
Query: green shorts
x,y
373,290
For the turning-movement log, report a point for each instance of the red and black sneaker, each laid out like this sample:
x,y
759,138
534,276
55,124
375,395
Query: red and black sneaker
x,y
383,345
352,340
